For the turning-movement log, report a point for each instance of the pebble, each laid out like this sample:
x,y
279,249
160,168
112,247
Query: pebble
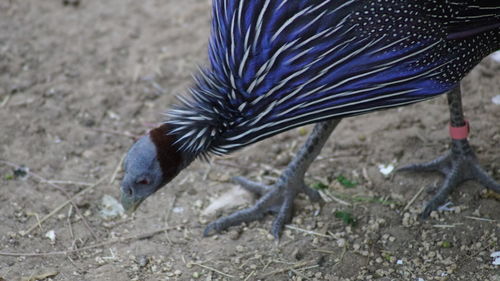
x,y
198,204
434,215
234,234
341,242
240,248
142,261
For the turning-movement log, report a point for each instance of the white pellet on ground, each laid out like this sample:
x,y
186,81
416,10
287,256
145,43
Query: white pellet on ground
x,y
111,208
496,258
496,99
385,169
51,234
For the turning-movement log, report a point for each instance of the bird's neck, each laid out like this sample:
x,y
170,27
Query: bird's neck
x,y
171,159
199,123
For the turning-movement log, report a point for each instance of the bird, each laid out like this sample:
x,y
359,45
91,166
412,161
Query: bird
x,y
275,65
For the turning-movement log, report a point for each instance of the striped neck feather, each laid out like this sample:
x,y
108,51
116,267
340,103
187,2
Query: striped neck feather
x,y
200,119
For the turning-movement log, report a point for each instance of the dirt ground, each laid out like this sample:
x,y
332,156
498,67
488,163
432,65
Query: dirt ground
x,y
76,80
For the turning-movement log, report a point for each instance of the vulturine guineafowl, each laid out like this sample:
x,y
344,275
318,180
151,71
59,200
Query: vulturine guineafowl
x,y
276,65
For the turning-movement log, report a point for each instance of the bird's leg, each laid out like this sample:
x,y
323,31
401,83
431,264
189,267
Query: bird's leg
x,y
459,164
278,198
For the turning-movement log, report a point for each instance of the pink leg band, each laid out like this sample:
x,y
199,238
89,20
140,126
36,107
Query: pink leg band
x,y
460,133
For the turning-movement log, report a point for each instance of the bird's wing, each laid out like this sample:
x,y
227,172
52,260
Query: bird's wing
x,y
279,64
290,63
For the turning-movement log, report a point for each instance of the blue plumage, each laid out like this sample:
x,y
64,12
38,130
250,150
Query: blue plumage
x,y
276,65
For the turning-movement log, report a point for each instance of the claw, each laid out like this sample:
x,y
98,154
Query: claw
x,y
313,194
251,186
483,178
277,199
438,164
458,166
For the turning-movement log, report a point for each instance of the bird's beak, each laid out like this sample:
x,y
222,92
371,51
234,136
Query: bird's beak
x,y
130,203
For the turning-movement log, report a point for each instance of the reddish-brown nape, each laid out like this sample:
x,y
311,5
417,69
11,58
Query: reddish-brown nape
x,y
170,159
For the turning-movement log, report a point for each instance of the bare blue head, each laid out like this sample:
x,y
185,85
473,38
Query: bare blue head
x,y
150,164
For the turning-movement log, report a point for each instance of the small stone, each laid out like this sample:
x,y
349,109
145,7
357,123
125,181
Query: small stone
x,y
88,154
224,178
298,220
234,234
198,204
51,234
142,261
196,275
178,272
341,242
434,215
100,260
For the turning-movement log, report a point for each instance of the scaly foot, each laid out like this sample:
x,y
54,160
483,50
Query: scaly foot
x,y
458,165
276,199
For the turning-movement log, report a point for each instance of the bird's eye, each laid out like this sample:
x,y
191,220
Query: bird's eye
x,y
143,181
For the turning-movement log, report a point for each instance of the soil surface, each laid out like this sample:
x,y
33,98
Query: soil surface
x,y
77,79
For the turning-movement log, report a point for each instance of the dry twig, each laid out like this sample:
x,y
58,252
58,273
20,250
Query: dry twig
x,y
70,199
326,193
414,198
5,100
297,265
69,182
307,231
479,219
98,245
249,275
58,208
117,169
212,269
